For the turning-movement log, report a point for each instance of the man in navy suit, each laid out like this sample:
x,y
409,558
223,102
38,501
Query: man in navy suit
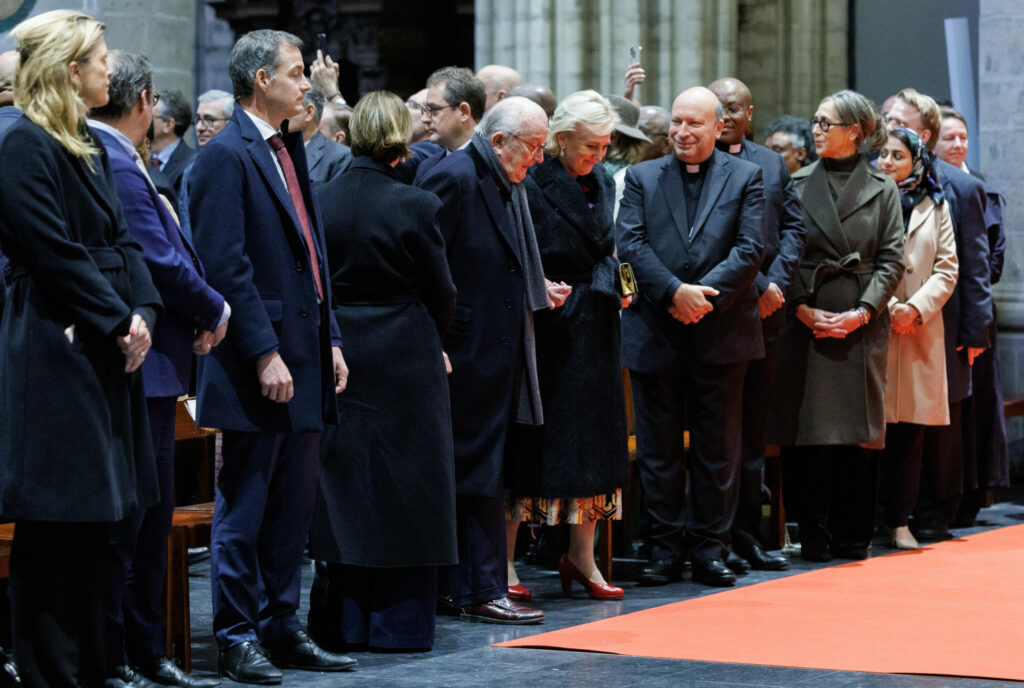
x,y
325,159
171,155
490,342
195,319
273,384
784,239
691,226
967,317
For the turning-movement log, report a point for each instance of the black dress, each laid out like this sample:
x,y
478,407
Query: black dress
x,y
387,489
572,468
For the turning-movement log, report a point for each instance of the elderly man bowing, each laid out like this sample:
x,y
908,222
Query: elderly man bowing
x,y
273,383
691,226
495,264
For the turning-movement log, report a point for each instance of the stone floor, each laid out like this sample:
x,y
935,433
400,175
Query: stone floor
x,y
463,656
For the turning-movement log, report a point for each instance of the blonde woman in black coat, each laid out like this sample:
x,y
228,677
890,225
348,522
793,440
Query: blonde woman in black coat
x,y
75,448
572,469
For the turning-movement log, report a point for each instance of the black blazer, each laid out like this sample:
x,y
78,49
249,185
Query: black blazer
x,y
725,253
175,167
968,313
484,341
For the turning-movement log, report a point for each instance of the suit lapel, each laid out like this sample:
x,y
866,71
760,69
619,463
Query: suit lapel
x,y
918,217
315,151
714,183
816,201
672,188
259,151
496,207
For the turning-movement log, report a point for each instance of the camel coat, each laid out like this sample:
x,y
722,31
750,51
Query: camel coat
x,y
916,390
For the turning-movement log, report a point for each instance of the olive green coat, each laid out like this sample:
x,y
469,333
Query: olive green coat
x,y
832,391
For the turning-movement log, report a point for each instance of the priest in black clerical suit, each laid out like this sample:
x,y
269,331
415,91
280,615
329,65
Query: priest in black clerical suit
x,y
691,226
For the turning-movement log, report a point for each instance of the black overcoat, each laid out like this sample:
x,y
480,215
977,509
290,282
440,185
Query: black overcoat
x,y
387,485
580,450
74,436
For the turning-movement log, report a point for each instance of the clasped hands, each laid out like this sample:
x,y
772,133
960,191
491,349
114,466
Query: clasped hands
x,y
135,344
826,324
690,303
905,318
558,292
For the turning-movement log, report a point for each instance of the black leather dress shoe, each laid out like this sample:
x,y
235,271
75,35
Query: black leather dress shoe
x,y
760,560
713,572
502,611
850,550
737,564
660,572
126,677
164,671
932,531
247,662
298,651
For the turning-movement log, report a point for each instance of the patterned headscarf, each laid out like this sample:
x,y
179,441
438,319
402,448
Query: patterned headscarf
x,y
921,181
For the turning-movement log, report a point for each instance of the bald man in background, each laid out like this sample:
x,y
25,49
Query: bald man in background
x,y
498,81
538,93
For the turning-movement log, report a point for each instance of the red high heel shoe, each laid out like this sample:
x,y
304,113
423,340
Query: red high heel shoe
x,y
568,572
519,592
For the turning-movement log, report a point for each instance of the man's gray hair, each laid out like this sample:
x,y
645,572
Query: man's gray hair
x,y
317,100
254,51
227,107
507,115
132,74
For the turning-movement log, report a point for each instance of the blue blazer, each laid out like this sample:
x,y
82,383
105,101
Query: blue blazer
x,y
190,303
424,155
326,159
249,238
725,253
968,313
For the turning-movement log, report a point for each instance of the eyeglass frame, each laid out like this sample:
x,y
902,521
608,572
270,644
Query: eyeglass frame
x,y
431,111
825,124
208,120
532,150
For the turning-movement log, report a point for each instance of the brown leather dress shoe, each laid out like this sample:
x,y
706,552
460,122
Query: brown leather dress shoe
x,y
502,611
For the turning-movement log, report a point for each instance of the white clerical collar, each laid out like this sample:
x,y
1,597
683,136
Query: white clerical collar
x,y
735,148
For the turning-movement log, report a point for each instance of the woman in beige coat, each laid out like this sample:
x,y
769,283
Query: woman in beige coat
x,y
915,394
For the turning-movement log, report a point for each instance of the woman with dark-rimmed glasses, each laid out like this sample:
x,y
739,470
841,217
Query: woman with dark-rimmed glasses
x,y
830,414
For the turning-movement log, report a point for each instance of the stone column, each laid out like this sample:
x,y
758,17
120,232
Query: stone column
x,y
164,31
570,45
1001,136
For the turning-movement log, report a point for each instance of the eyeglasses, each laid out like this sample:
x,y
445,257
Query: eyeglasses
x,y
824,124
208,120
532,149
432,110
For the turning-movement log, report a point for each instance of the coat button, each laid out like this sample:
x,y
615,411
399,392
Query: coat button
x,y
304,313
512,267
508,304
504,341
910,268
300,266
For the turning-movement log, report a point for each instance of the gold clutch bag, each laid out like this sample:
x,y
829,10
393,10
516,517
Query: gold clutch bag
x,y
627,280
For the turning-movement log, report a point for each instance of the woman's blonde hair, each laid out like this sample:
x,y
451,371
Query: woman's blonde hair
x,y
587,110
47,44
381,127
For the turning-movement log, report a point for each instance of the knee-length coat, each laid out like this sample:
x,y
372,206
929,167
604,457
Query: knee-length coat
x,y
916,390
831,391
580,451
387,471
74,433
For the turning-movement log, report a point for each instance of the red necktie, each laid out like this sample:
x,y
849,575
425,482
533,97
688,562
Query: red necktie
x,y
295,191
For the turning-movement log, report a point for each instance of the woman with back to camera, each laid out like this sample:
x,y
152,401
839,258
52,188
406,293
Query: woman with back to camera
x,y
572,468
915,393
75,448
384,520
829,413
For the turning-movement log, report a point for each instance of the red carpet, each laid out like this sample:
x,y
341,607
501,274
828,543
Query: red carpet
x,y
955,608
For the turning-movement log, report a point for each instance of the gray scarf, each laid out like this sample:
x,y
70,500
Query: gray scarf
x,y
528,408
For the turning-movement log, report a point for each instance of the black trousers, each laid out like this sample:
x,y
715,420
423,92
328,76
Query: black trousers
x,y
834,491
57,582
901,471
942,472
758,384
708,400
136,621
482,572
